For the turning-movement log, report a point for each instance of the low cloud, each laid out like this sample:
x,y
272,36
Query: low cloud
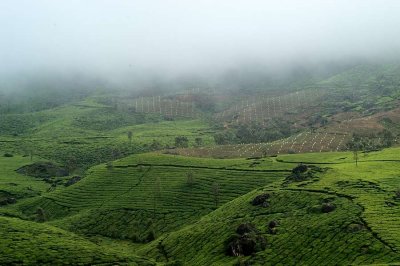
x,y
125,40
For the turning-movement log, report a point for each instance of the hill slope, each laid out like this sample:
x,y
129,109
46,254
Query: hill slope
x,y
29,243
152,200
362,228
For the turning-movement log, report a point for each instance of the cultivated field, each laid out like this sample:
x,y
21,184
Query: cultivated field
x,y
201,200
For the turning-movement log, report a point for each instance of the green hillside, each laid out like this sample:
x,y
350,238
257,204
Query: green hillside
x,y
304,175
29,243
145,195
148,199
304,236
87,133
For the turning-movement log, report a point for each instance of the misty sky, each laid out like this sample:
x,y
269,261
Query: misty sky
x,y
118,36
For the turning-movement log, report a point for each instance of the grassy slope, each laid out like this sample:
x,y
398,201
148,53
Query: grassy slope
x,y
372,184
364,195
125,203
303,237
29,243
87,133
18,185
150,193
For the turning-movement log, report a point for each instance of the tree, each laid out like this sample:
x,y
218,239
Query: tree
x,y
181,142
225,137
356,145
215,191
71,164
29,149
355,156
40,215
130,135
199,142
387,138
115,154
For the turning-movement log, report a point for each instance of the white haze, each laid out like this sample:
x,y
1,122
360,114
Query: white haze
x,y
116,39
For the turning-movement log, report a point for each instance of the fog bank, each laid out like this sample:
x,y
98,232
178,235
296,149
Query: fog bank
x,y
117,40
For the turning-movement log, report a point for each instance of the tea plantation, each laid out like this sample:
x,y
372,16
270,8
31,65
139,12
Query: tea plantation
x,y
175,210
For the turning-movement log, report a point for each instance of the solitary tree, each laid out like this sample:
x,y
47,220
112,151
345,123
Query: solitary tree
x,y
29,150
181,142
40,215
71,164
355,156
115,154
130,134
355,145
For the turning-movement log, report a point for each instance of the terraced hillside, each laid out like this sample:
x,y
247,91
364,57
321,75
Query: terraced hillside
x,y
186,210
261,108
16,185
144,196
87,133
303,236
30,243
130,195
359,227
332,137
300,143
164,106
363,88
95,128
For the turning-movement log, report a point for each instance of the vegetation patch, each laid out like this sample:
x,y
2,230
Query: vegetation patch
x,y
261,200
328,207
355,227
325,206
304,172
6,198
272,227
43,170
360,184
248,240
397,195
73,180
